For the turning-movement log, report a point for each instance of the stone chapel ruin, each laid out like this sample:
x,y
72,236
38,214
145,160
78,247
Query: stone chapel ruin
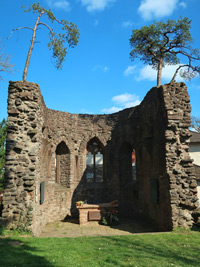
x,y
54,159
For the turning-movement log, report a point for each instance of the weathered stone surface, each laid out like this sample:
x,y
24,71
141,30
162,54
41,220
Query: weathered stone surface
x,y
13,111
157,129
27,95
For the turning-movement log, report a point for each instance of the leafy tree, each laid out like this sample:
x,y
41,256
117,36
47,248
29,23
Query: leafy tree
x,y
5,65
161,43
2,150
196,124
58,42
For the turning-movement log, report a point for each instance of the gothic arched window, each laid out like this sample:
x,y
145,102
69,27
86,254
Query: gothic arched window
x,y
94,161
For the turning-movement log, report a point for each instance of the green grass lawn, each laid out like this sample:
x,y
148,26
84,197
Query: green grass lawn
x,y
168,249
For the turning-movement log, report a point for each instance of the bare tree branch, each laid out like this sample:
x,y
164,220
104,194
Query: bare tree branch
x,y
195,123
20,28
5,65
51,31
176,72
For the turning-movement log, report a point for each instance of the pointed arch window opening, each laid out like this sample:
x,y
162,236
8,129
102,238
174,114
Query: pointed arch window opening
x,y
62,164
94,162
127,165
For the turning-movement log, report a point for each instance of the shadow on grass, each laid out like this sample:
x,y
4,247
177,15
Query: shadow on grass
x,y
150,250
196,228
17,252
133,250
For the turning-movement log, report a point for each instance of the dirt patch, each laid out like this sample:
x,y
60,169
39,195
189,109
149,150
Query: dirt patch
x,y
71,228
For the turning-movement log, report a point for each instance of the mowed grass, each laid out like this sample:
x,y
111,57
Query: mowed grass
x,y
163,249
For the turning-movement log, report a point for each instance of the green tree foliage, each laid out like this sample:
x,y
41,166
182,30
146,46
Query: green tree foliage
x,y
2,150
58,43
161,43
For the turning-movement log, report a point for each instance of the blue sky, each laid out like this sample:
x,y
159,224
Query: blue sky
x,y
98,76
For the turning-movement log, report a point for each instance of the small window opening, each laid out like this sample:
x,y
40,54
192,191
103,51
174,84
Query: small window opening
x,y
133,157
76,168
42,187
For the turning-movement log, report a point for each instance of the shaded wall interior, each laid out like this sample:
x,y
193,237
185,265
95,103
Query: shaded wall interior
x,y
111,140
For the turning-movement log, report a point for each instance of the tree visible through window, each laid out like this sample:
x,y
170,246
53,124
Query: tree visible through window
x,y
94,162
127,164
133,156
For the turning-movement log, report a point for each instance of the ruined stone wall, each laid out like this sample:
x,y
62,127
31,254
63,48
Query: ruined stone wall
x,y
22,168
163,193
179,167
154,185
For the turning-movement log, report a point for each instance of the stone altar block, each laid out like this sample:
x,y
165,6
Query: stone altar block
x,y
93,212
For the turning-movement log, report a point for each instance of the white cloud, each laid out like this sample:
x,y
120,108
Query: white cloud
x,y
122,101
183,4
168,73
124,98
60,4
85,111
129,70
150,9
111,110
106,69
96,22
102,68
127,24
148,73
132,104
93,5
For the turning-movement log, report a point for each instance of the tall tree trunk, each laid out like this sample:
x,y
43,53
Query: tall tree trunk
x,y
31,48
159,72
